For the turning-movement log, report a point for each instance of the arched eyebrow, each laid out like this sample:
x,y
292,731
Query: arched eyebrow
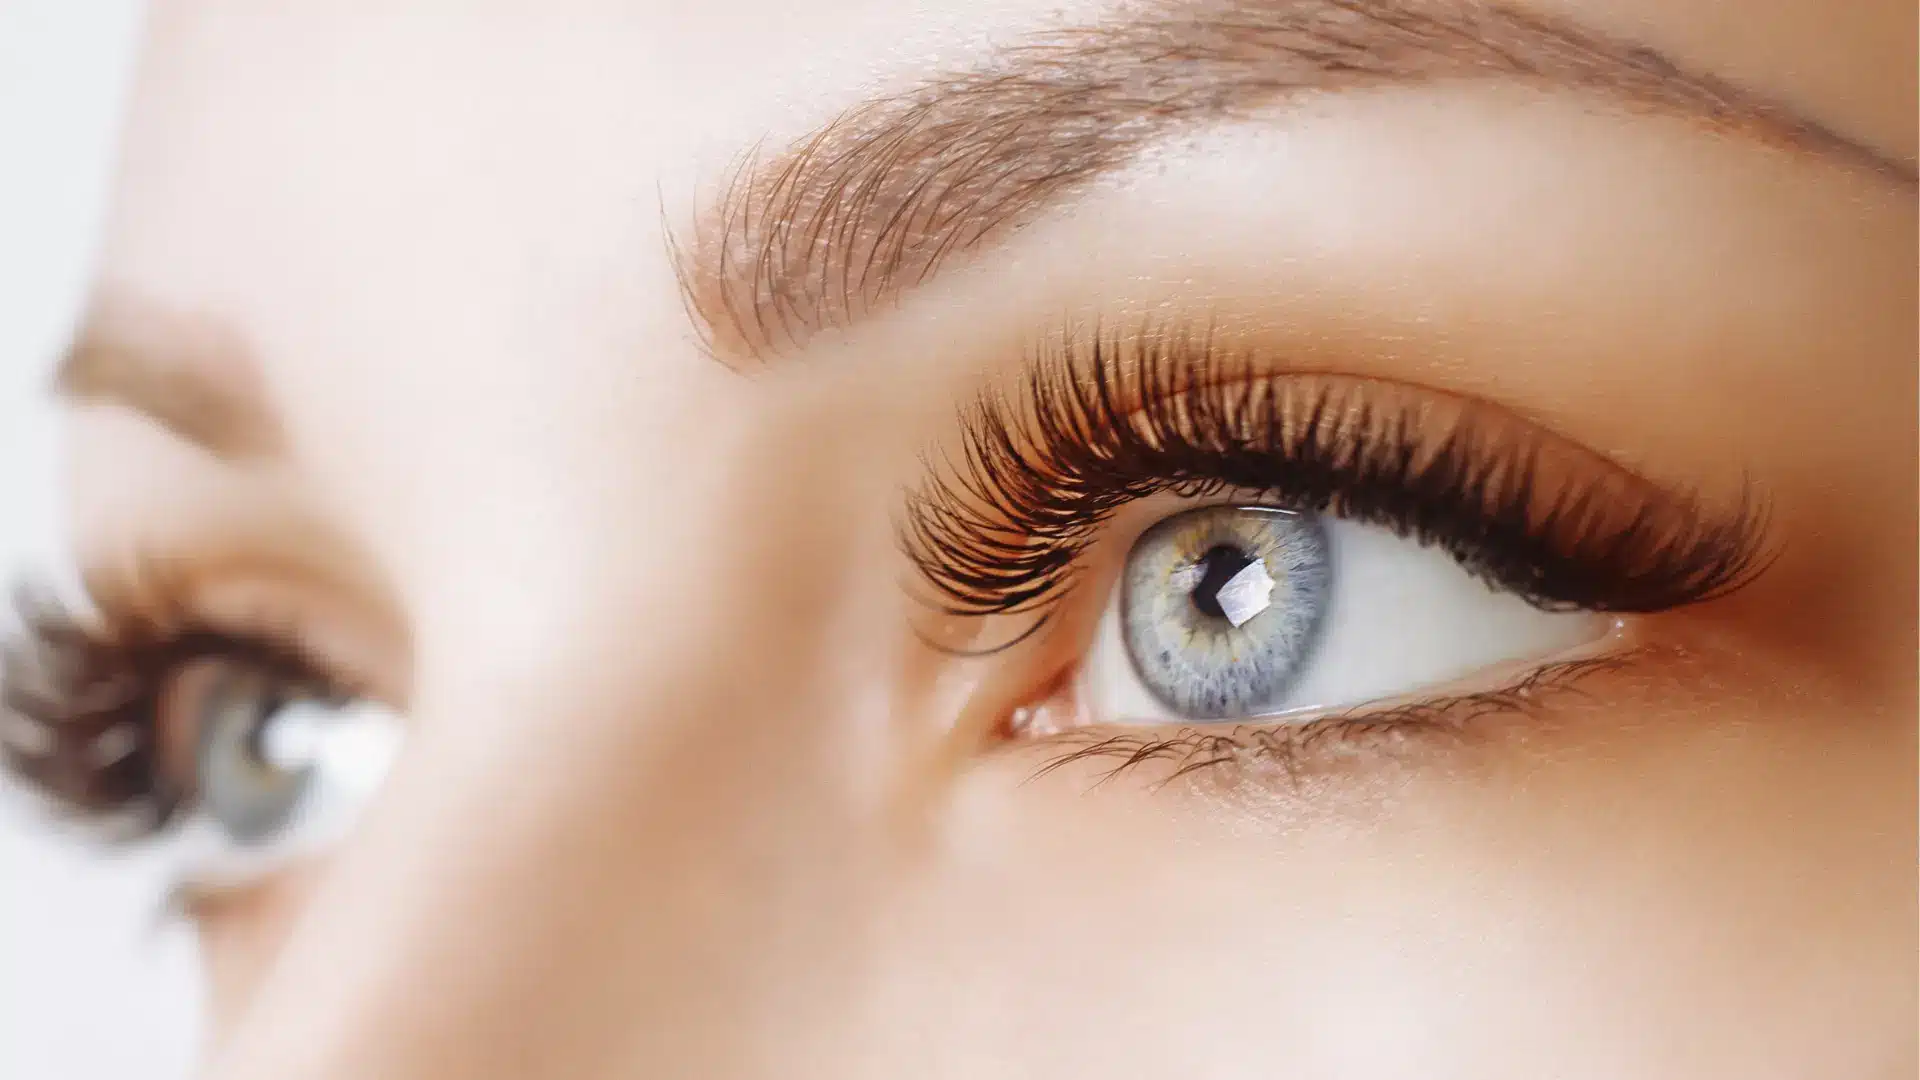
x,y
877,201
191,374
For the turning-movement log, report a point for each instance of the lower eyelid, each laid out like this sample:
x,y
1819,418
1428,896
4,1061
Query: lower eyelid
x,y
1281,757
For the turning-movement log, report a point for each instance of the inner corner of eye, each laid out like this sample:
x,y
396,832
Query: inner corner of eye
x,y
1053,708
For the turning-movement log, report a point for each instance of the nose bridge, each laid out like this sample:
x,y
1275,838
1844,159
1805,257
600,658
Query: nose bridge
x,y
626,833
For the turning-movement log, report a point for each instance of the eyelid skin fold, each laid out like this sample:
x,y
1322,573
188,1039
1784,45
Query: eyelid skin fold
x,y
1117,415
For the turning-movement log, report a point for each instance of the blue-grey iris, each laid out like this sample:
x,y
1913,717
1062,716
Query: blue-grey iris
x,y
1220,607
248,795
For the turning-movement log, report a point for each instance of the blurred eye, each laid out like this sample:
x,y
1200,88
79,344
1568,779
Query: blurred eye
x,y
1231,612
277,769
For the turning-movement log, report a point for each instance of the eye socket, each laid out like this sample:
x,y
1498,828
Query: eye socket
x,y
1235,612
272,767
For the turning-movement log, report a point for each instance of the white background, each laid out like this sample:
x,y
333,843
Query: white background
x,y
92,986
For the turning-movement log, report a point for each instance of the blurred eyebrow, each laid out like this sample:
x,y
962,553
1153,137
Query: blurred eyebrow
x,y
191,374
875,202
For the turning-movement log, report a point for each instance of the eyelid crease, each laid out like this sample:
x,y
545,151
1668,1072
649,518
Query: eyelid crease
x,y
1105,419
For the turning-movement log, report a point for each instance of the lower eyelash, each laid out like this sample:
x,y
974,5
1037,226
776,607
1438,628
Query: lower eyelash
x,y
1286,755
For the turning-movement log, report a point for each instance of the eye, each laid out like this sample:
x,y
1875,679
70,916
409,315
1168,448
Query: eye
x,y
1232,612
271,766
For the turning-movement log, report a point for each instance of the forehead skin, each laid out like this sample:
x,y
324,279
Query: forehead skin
x,y
667,810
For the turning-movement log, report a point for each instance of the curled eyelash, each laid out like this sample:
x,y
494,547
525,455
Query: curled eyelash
x,y
1291,753
72,726
80,702
1122,416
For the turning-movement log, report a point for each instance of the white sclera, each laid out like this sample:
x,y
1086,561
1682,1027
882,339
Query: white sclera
x,y
1400,618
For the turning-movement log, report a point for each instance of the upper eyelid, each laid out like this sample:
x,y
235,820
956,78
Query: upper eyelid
x,y
255,572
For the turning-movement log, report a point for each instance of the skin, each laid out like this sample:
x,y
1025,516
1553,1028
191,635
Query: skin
x,y
684,795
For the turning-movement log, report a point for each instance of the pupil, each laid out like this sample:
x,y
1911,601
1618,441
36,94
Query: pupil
x,y
1217,567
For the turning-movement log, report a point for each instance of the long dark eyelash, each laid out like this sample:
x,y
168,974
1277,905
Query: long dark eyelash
x,y
1002,529
80,701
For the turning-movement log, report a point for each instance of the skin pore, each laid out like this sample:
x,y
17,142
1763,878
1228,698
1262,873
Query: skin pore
x,y
488,348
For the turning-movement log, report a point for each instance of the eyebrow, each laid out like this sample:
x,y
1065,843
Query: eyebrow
x,y
191,374
877,201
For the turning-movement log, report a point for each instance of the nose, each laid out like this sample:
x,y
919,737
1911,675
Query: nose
x,y
637,829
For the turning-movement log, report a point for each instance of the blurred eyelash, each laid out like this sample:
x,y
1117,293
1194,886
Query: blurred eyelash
x,y
1123,416
80,701
1297,751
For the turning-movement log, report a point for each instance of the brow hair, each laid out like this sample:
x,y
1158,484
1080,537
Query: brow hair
x,y
191,374
878,200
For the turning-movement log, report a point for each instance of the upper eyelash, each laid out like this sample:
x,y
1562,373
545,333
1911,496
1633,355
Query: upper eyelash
x,y
70,686
1123,416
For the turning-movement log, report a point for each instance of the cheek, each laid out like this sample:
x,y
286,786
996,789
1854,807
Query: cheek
x,y
1649,880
